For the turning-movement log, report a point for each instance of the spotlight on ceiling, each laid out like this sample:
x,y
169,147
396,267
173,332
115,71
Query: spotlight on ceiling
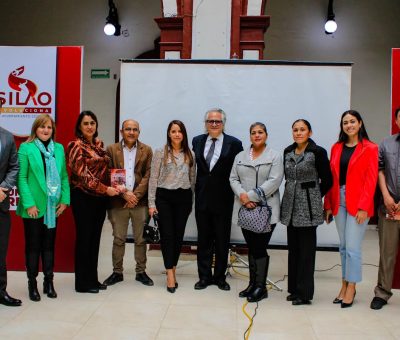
x,y
330,25
112,26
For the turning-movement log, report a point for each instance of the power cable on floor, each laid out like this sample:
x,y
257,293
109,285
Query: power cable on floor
x,y
246,334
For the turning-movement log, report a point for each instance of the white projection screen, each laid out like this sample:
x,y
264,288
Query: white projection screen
x,y
154,92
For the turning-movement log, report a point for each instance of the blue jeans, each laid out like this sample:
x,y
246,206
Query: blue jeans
x,y
351,235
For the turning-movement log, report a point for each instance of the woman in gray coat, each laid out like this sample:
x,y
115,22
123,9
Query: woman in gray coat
x,y
308,178
257,167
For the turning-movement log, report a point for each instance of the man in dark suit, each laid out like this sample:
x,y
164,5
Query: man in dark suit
x,y
8,177
215,153
135,157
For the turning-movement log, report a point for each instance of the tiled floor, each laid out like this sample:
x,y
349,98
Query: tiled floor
x,y
130,310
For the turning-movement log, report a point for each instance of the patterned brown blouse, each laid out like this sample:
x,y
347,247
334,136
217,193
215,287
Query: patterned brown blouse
x,y
89,166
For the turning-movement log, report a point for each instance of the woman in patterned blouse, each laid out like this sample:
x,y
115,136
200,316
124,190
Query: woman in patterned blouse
x,y
90,186
171,186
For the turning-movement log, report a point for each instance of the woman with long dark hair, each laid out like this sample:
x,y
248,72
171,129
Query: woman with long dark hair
x,y
90,186
171,187
308,178
43,196
354,165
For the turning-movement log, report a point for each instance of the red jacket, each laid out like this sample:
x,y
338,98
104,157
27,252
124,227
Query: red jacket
x,y
362,176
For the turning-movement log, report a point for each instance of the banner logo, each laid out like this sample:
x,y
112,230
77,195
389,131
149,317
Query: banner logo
x,y
27,86
25,95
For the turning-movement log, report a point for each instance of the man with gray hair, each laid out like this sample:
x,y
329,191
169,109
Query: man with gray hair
x,y
215,152
135,157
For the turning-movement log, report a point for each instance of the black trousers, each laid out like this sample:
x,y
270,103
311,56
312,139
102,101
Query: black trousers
x,y
5,226
302,244
89,213
174,207
214,232
39,243
257,243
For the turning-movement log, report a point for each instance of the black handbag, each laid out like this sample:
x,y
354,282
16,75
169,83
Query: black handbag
x,y
151,233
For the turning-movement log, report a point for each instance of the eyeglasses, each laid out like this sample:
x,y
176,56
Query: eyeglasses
x,y
214,122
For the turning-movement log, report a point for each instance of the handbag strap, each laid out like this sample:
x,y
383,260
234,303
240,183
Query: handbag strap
x,y
259,191
261,194
155,219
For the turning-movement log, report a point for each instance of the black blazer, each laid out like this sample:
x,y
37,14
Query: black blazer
x,y
213,190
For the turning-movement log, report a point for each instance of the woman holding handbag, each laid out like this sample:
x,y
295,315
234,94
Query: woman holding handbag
x,y
256,176
171,187
43,196
308,178
354,165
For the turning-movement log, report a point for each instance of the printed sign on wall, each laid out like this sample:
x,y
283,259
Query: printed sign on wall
x,y
27,86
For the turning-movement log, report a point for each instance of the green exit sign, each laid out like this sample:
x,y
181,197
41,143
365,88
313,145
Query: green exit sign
x,y
97,73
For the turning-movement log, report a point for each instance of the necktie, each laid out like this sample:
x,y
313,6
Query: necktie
x,y
211,152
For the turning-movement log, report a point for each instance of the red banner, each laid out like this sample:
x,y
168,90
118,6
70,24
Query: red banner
x,y
395,129
68,106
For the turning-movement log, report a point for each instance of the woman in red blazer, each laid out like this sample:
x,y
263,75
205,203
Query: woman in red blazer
x,y
354,166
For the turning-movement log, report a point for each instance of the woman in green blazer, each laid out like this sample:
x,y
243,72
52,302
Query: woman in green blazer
x,y
43,196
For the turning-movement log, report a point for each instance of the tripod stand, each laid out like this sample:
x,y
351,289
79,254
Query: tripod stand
x,y
235,258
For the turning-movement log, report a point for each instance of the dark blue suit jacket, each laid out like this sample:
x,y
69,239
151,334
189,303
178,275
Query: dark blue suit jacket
x,y
213,190
8,164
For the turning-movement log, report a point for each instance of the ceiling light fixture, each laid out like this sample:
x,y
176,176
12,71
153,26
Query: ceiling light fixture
x,y
330,25
112,26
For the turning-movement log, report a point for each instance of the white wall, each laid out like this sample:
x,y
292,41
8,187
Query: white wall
x,y
74,22
367,31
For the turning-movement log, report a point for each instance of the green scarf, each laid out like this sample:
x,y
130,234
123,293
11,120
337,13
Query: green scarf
x,y
53,182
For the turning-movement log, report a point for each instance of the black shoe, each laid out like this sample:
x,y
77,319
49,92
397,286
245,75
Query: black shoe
x,y
337,301
377,303
299,302
259,293
347,305
223,285
247,291
101,286
7,300
202,284
252,278
176,284
171,289
261,269
33,291
90,290
291,297
48,288
113,279
144,278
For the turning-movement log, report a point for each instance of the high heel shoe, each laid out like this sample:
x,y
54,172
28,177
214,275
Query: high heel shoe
x,y
171,289
347,305
337,301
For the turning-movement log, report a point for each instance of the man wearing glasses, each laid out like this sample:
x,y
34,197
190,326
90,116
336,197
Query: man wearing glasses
x,y
135,157
215,153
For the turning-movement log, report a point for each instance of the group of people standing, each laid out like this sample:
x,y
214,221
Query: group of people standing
x,y
213,172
